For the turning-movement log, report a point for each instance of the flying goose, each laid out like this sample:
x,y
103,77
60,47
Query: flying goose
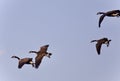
x,y
40,54
113,13
100,42
23,61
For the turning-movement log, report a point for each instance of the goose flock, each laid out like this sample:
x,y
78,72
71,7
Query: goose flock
x,y
43,49
112,13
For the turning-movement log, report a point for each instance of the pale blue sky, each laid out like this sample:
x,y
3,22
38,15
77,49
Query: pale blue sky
x,y
67,26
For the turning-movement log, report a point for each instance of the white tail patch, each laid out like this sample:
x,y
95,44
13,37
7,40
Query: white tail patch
x,y
31,62
115,14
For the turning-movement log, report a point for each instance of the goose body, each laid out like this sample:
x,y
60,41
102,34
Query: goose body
x,y
23,61
40,54
100,42
113,13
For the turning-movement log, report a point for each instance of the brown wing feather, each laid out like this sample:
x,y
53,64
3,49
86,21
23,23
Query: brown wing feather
x,y
44,48
98,48
38,60
101,19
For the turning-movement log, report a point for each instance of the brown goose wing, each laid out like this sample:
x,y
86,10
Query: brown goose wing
x,y
101,19
38,60
98,47
44,48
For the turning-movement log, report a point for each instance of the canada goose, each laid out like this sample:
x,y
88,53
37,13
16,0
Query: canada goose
x,y
40,54
113,13
100,42
24,61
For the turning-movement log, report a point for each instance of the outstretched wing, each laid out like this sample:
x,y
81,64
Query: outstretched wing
x,y
98,48
38,60
101,19
44,48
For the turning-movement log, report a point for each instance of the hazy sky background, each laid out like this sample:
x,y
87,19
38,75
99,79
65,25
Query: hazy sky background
x,y
67,26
